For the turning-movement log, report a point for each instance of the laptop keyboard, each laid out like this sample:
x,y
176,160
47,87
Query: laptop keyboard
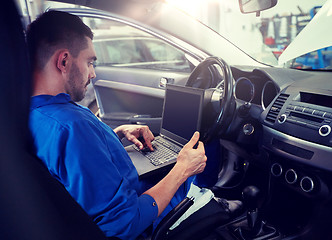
x,y
163,151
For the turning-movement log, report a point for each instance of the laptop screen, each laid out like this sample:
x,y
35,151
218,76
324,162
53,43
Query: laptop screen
x,y
182,112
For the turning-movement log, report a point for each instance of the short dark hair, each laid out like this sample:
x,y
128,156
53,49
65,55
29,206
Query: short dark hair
x,y
54,30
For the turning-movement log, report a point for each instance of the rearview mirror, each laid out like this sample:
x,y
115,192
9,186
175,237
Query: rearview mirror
x,y
250,6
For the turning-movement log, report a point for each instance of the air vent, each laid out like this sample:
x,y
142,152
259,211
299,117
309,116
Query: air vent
x,y
276,107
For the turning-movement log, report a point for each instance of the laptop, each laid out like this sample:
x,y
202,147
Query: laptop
x,y
181,117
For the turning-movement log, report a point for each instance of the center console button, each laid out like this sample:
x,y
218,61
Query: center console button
x,y
308,110
318,113
324,130
291,176
307,184
299,109
282,118
291,107
276,169
328,115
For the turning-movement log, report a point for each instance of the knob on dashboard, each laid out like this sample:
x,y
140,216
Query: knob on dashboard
x,y
282,118
307,184
276,169
324,130
291,176
248,129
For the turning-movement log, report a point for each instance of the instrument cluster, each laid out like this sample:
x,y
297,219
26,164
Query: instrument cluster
x,y
255,90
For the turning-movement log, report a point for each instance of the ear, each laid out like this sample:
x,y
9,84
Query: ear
x,y
62,60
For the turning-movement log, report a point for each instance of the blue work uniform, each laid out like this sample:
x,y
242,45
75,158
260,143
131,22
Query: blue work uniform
x,y
88,158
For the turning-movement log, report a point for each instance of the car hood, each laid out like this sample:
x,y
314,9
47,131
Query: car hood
x,y
316,35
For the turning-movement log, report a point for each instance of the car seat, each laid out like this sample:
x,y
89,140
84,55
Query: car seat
x,y
33,205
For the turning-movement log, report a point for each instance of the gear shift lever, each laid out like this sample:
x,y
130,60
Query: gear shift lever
x,y
253,199
254,227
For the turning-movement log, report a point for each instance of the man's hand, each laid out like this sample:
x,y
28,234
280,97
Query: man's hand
x,y
133,132
191,160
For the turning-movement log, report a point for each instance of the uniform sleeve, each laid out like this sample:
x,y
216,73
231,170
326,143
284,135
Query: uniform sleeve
x,y
96,170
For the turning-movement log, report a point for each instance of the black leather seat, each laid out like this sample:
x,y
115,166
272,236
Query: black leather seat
x,y
33,205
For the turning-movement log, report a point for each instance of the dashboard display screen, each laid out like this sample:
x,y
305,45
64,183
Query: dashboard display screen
x,y
316,99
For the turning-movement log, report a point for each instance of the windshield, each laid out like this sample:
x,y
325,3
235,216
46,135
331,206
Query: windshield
x,y
267,36
272,38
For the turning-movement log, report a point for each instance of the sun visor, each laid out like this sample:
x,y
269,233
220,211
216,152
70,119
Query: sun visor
x,y
316,35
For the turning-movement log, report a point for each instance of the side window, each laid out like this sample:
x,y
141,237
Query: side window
x,y
167,56
123,52
120,45
162,52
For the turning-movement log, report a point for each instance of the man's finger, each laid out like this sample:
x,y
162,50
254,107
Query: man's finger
x,y
148,138
137,142
148,143
194,139
200,146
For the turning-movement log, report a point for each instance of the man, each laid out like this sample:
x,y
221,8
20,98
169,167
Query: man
x,y
84,154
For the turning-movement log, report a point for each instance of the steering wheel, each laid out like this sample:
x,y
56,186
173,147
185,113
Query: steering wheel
x,y
225,113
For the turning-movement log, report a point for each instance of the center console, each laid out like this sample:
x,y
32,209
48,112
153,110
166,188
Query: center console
x,y
297,154
298,139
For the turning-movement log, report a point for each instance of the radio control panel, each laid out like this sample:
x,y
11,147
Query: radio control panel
x,y
303,115
308,117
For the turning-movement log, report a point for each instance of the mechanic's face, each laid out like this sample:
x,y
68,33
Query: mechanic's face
x,y
81,72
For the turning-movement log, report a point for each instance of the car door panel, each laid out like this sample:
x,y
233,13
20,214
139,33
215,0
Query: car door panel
x,y
141,77
122,103
133,96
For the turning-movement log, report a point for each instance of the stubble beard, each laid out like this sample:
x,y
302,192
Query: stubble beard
x,y
75,91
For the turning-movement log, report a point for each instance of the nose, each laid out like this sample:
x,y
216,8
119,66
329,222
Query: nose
x,y
92,73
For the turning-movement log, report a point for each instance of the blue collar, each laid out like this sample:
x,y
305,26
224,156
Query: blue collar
x,y
42,100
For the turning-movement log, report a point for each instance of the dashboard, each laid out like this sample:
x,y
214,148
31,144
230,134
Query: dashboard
x,y
290,116
294,109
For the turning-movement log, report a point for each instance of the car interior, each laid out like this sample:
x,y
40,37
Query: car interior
x,y
273,127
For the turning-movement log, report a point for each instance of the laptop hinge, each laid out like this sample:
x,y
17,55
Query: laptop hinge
x,y
171,140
